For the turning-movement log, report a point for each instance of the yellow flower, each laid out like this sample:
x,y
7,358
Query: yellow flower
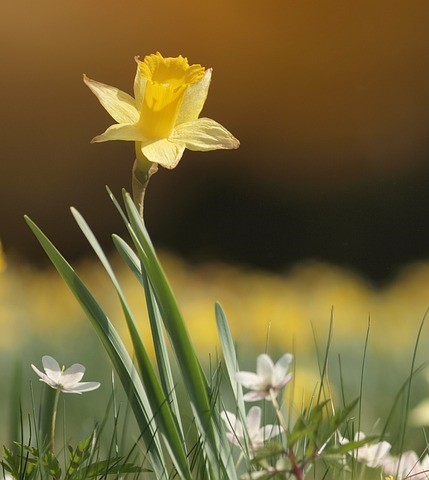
x,y
162,118
2,259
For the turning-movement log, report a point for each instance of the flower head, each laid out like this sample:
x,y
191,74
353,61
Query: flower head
x,y
373,455
407,466
67,381
162,118
269,377
257,436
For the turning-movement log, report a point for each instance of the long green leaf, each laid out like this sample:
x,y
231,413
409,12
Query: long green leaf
x,y
183,348
114,347
157,399
197,387
230,356
192,372
159,341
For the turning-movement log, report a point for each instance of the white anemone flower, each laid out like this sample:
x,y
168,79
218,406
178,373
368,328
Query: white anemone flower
x,y
407,466
373,455
269,377
67,381
257,435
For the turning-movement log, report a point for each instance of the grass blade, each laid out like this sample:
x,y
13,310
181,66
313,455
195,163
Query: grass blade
x,y
230,356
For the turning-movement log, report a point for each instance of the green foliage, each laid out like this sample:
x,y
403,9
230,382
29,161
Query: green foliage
x,y
29,462
174,446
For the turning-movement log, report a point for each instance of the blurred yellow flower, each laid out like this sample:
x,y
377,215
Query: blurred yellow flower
x,y
2,259
162,118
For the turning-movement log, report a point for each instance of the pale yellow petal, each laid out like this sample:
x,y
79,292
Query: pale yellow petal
x,y
164,152
120,131
203,135
139,86
194,99
118,104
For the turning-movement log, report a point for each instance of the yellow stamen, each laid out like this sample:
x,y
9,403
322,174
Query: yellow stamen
x,y
167,81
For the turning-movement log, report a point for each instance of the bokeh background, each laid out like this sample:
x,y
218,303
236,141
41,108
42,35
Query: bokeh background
x,y
324,204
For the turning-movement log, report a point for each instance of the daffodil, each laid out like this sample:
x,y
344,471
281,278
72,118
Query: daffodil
x,y
67,381
162,118
269,378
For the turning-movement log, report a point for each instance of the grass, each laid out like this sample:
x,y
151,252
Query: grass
x,y
180,427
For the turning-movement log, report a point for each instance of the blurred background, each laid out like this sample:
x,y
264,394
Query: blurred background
x,y
325,203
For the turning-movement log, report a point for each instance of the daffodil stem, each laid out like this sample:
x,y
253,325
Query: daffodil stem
x,y
54,420
140,182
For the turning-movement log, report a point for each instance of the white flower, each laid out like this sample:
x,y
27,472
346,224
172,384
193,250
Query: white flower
x,y
268,471
268,377
407,466
257,436
373,455
68,381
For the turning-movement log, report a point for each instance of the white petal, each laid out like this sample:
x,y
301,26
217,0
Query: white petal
x,y
44,377
342,440
282,365
374,454
280,370
265,369
204,134
52,368
72,375
249,380
118,104
232,438
164,152
120,131
232,423
253,421
81,387
255,396
194,99
271,431
281,382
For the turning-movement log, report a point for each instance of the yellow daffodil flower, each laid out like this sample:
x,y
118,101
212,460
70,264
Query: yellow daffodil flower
x,y
162,118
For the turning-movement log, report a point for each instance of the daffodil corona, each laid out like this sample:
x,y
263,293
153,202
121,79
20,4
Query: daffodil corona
x,y
162,118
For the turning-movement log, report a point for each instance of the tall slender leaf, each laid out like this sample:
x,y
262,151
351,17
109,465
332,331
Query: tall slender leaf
x,y
159,341
195,382
158,400
115,349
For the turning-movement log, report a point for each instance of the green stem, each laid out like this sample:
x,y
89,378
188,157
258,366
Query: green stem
x,y
297,470
54,420
142,171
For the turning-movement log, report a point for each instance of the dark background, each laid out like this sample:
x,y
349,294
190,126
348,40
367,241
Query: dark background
x,y
330,100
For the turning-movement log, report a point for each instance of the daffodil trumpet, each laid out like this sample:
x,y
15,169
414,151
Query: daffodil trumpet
x,y
163,117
